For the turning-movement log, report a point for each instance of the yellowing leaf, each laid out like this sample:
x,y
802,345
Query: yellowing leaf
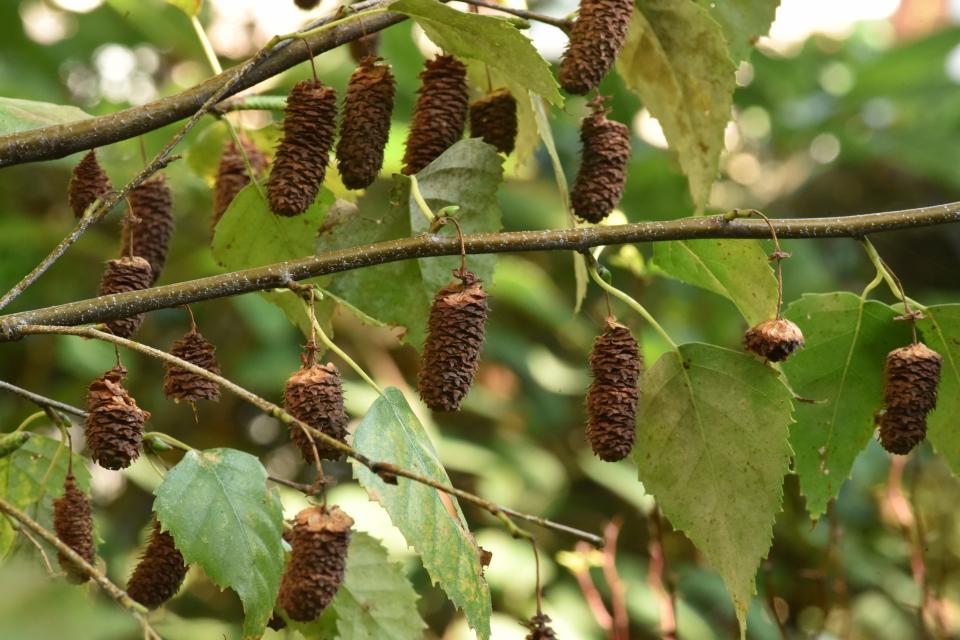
x,y
675,58
189,7
712,431
391,432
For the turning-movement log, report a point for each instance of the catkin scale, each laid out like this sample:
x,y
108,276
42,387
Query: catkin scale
x,y
160,572
365,123
73,523
114,422
182,385
595,40
455,334
774,340
121,275
148,225
911,377
440,114
301,160
232,174
87,183
314,395
605,151
539,626
616,364
493,118
318,557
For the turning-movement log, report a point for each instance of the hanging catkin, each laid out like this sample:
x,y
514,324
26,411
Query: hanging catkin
x,y
774,340
595,41
912,374
87,183
440,114
306,4
539,626
148,225
114,422
300,165
616,364
605,151
232,174
73,522
365,123
121,275
314,394
364,46
182,385
493,118
455,333
321,536
160,572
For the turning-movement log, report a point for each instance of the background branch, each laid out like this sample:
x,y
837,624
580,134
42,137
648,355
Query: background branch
x,y
40,400
98,576
381,468
57,141
275,276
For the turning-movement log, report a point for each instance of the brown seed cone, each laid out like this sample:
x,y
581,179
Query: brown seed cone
x,y
87,183
494,119
300,165
595,41
440,114
364,46
321,536
73,522
306,4
616,365
451,353
365,123
114,422
605,151
314,395
901,429
539,626
774,340
160,572
912,374
120,275
232,174
180,384
148,226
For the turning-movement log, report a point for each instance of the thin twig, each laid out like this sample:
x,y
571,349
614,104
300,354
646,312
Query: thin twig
x,y
137,610
380,468
658,577
559,23
41,401
276,276
618,593
589,590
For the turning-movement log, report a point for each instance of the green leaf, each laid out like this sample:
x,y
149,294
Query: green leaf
x,y
391,432
490,40
189,7
20,115
31,478
941,332
712,431
735,269
375,602
675,58
546,134
399,293
841,368
742,21
216,505
250,235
